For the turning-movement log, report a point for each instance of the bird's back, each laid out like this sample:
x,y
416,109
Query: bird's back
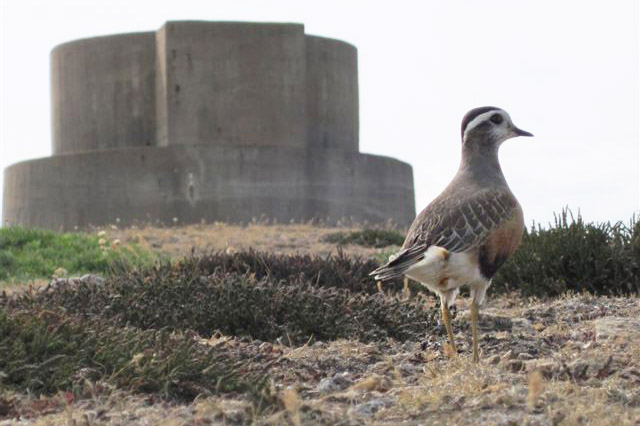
x,y
468,216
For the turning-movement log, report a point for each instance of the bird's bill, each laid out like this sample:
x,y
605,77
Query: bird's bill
x,y
520,132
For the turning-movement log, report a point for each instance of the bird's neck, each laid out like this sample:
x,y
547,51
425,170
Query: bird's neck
x,y
481,163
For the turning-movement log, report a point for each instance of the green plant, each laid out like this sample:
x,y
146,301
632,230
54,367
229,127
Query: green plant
x,y
34,253
600,258
46,350
173,297
341,271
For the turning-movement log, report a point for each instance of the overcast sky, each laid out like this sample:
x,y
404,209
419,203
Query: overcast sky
x,y
565,70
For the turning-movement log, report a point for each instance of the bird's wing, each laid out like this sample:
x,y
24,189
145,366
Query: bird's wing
x,y
457,224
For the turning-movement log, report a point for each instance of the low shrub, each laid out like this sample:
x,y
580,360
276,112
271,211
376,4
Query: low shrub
x,y
572,255
341,271
294,311
367,237
44,351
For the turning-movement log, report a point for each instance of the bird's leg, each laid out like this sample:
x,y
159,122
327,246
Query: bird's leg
x,y
474,329
446,317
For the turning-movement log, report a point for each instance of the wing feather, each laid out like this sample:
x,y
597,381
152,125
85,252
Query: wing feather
x,y
457,224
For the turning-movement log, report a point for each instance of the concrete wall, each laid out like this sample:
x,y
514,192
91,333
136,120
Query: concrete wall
x,y
206,120
102,93
233,83
205,83
209,183
332,94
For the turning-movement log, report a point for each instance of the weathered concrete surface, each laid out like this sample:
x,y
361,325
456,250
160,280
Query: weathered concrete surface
x,y
231,83
206,120
194,183
102,93
332,94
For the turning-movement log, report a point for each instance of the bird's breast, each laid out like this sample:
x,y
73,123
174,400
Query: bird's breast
x,y
501,243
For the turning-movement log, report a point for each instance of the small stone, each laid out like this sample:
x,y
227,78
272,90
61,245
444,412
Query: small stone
x,y
514,365
369,408
508,355
491,322
547,368
493,360
92,279
334,384
408,369
522,326
613,327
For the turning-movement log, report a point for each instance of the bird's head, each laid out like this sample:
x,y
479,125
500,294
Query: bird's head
x,y
489,126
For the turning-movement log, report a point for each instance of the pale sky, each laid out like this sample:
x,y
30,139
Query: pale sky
x,y
566,71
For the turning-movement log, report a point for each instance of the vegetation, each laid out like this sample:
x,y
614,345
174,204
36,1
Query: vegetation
x,y
179,297
367,237
340,271
33,253
44,351
568,255
571,255
244,326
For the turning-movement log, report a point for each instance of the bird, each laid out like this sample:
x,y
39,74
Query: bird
x,y
468,231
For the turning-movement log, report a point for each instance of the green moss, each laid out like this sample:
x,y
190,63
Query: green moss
x,y
34,253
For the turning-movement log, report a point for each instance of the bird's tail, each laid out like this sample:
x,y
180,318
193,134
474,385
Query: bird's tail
x,y
398,264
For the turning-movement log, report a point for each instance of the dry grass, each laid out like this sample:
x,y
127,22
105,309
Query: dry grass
x,y
563,374
218,236
543,362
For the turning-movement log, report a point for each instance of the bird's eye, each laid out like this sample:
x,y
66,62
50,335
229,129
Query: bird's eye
x,y
496,119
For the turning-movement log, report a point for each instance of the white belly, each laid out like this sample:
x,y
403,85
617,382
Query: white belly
x,y
442,271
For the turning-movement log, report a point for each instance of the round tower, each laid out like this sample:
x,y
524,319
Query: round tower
x,y
206,121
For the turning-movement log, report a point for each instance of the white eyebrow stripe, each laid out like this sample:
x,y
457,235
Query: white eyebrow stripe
x,y
479,119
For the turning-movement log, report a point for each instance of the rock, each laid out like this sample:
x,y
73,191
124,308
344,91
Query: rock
x,y
491,322
369,408
508,355
522,326
548,368
597,367
493,360
614,327
91,279
514,365
336,383
409,369
57,283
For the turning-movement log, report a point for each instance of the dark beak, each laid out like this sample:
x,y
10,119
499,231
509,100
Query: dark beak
x,y
521,132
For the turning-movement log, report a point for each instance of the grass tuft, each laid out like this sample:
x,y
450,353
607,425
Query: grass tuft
x,y
34,253
378,238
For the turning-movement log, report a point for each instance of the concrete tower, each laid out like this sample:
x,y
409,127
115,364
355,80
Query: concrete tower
x,y
205,120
